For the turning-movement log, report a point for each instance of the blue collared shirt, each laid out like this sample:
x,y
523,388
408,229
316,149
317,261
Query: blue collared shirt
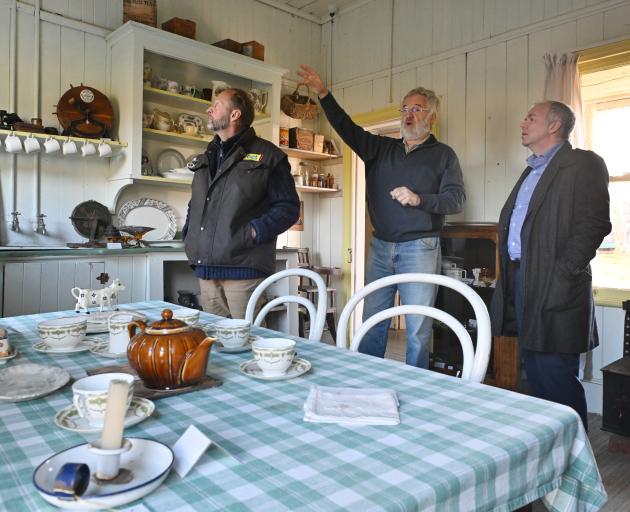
x,y
524,196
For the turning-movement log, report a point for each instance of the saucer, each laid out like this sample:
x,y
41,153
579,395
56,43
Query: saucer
x,y
14,352
68,417
101,348
237,350
147,464
298,367
21,382
82,346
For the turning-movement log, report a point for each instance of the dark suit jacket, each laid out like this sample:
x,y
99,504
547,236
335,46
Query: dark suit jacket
x,y
567,219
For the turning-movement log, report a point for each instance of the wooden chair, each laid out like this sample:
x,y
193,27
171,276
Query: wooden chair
x,y
317,315
310,291
475,360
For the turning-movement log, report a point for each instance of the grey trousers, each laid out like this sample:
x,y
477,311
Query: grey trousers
x,y
228,298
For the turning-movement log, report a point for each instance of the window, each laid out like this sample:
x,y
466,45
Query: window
x,y
605,87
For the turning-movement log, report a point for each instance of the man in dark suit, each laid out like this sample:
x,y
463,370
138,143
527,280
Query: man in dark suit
x,y
549,230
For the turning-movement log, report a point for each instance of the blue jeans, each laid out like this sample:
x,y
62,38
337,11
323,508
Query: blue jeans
x,y
389,258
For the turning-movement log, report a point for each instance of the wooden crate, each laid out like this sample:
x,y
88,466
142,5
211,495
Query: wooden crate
x,y
229,44
253,49
301,138
186,28
142,11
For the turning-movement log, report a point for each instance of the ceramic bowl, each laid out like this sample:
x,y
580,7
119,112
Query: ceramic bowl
x,y
89,395
232,332
62,332
188,315
273,355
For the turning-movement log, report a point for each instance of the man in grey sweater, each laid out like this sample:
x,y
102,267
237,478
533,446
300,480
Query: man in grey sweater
x,y
411,183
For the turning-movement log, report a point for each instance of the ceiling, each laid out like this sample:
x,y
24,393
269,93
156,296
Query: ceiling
x,y
319,9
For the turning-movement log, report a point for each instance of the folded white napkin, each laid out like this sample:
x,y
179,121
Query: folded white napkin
x,y
351,406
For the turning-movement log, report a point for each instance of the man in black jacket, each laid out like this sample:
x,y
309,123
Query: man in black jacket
x,y
549,230
411,184
243,197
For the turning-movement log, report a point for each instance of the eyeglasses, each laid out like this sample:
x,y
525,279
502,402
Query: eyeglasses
x,y
414,110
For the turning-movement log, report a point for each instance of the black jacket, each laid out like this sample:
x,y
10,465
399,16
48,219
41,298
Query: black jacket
x,y
567,219
222,210
431,170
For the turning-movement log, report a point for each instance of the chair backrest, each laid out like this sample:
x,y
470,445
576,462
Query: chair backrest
x,y
475,361
317,316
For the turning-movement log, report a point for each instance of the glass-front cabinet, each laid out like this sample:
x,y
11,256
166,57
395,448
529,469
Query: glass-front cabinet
x,y
160,85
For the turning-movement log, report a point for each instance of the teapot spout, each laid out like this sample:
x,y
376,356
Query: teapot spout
x,y
194,367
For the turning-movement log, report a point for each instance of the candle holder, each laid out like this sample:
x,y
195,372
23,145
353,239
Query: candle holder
x,y
108,460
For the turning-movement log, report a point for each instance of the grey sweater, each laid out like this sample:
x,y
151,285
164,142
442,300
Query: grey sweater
x,y
431,170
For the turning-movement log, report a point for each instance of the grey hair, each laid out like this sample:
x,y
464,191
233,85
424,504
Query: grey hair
x,y
562,113
432,99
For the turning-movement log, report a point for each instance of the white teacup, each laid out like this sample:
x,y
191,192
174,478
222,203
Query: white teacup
x,y
69,147
456,272
188,315
61,333
89,395
232,332
104,150
274,355
13,144
52,145
31,144
118,333
173,87
88,149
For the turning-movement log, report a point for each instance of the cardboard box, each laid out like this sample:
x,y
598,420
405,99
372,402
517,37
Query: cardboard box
x,y
181,27
253,49
301,138
229,44
141,11
318,143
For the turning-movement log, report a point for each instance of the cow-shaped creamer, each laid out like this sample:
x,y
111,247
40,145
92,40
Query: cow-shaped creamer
x,y
103,298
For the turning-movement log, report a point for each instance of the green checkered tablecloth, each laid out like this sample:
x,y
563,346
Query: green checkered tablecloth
x,y
459,446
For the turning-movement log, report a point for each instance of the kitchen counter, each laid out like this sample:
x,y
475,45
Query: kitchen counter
x,y
42,252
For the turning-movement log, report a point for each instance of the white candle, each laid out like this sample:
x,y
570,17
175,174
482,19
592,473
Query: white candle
x,y
115,415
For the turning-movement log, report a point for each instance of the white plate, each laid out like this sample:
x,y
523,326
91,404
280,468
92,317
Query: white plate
x,y
28,381
149,462
68,418
298,367
167,160
151,213
166,243
102,349
14,352
82,346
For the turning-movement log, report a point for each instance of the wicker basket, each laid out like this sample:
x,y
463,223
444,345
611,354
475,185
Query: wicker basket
x,y
298,107
142,11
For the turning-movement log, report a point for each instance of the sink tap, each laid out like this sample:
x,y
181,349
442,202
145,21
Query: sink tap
x,y
41,227
15,223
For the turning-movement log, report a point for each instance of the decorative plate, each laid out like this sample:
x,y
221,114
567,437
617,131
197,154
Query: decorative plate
x,y
68,418
298,367
185,119
82,346
152,213
147,463
14,352
170,159
101,348
28,381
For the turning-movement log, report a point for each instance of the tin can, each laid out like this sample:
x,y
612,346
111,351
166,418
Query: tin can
x,y
284,136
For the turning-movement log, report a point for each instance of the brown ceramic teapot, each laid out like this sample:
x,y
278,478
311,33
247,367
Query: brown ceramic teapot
x,y
168,354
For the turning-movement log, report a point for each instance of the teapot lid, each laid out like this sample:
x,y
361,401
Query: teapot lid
x,y
169,324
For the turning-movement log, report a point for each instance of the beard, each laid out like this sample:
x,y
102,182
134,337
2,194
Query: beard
x,y
418,131
222,123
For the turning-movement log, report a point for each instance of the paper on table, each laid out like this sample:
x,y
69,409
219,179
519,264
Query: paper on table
x,y
351,406
188,449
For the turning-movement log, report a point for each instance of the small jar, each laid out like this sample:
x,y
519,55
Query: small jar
x,y
314,180
330,181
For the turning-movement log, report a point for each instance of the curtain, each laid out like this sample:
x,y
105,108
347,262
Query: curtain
x,y
562,83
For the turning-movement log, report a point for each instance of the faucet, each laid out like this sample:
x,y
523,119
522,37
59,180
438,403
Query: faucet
x,y
15,223
41,227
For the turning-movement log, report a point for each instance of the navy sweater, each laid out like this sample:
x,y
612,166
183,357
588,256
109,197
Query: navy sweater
x,y
431,170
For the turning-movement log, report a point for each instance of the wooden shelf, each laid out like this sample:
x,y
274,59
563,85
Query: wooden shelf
x,y
316,190
308,155
159,180
178,101
177,138
63,138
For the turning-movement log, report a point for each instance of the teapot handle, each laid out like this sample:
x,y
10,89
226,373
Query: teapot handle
x,y
131,327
